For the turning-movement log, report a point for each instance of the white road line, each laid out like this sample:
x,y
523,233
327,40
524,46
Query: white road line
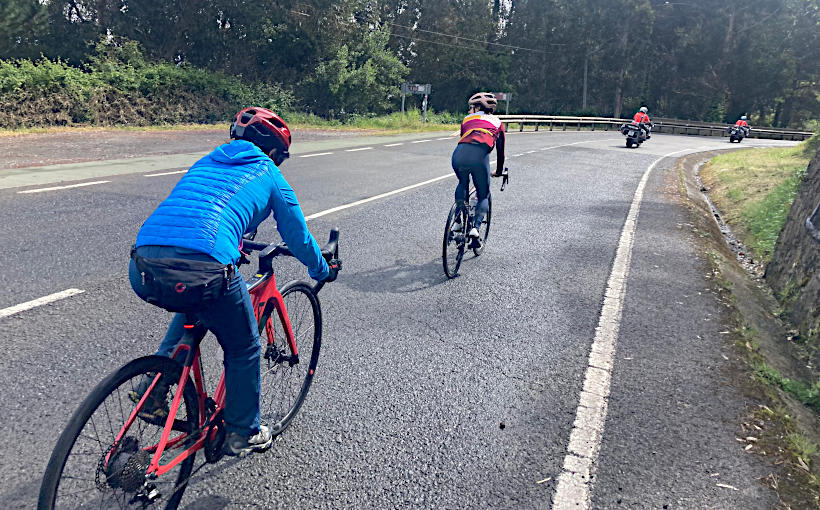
x,y
53,188
444,138
166,173
359,149
574,489
421,141
394,144
376,197
317,154
5,312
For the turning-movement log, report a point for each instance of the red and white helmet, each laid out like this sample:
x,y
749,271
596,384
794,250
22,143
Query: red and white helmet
x,y
263,128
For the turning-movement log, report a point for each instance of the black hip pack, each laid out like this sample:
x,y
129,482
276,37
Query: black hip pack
x,y
182,285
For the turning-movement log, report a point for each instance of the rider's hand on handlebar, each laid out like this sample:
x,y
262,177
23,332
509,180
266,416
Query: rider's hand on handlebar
x,y
334,266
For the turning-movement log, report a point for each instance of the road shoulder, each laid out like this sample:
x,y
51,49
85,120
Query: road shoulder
x,y
674,411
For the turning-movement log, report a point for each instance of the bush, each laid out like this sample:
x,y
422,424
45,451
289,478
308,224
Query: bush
x,y
119,87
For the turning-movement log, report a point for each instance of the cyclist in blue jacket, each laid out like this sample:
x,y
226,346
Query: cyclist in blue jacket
x,y
223,196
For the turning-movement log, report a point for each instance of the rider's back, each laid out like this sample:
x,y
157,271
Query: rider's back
x,y
481,127
223,195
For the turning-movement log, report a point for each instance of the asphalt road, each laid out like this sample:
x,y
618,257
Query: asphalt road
x,y
417,372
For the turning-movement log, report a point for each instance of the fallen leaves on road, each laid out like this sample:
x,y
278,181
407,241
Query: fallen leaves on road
x,y
725,486
803,464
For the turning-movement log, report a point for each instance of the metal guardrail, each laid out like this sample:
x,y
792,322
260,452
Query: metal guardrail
x,y
677,127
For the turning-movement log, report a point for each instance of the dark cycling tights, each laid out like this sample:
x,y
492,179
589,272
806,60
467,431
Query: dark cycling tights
x,y
473,159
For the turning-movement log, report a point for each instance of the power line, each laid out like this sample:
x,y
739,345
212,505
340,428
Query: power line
x,y
473,40
449,44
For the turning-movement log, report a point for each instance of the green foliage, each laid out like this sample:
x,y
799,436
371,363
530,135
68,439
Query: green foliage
x,y
696,59
765,219
120,87
806,394
360,78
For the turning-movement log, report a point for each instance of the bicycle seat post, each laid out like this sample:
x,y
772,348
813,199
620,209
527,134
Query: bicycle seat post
x,y
192,336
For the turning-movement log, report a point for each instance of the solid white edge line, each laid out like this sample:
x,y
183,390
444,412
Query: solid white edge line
x,y
5,312
166,173
53,188
359,149
574,488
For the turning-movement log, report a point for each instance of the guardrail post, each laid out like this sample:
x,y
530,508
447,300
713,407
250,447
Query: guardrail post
x,y
550,125
536,126
564,127
521,127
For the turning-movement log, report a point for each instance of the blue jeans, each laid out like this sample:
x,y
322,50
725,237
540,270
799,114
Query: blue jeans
x,y
231,319
473,159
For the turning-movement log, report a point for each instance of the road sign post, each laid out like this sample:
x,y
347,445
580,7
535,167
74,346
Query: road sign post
x,y
416,88
504,96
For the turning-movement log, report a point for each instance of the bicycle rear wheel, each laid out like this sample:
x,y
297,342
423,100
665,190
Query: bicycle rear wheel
x,y
89,468
484,231
287,375
453,246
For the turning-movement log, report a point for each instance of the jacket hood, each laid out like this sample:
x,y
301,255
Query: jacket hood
x,y
238,152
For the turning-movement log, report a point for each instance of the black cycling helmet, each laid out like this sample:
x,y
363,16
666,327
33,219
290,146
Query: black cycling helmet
x,y
264,129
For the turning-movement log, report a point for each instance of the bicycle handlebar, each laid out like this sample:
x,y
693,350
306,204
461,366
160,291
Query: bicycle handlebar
x,y
505,178
267,252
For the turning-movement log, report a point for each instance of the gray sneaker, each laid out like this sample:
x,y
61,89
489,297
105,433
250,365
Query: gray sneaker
x,y
236,444
155,409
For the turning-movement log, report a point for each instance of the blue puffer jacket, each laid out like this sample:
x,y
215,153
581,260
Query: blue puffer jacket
x,y
224,195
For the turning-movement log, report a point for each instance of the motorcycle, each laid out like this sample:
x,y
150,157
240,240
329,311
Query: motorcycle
x,y
736,134
634,134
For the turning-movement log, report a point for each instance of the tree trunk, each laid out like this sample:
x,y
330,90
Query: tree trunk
x,y
619,85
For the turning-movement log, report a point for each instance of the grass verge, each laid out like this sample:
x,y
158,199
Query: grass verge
x,y
396,123
754,189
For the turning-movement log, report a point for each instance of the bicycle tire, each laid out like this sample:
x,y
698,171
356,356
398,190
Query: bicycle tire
x,y
284,386
453,245
484,231
56,469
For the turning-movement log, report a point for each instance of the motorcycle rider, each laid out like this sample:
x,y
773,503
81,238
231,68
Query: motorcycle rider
x,y
743,125
642,119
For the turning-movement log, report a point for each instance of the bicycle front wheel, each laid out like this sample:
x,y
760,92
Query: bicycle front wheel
x,y
90,468
287,370
452,250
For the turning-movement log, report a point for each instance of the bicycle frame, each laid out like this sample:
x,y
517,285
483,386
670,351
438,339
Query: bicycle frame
x,y
264,294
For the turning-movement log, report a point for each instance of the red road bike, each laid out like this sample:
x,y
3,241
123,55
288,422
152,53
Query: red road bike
x,y
113,454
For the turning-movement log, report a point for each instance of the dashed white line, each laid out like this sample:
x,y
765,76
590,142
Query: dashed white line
x,y
166,173
574,489
317,154
359,149
394,144
444,138
5,312
53,188
421,141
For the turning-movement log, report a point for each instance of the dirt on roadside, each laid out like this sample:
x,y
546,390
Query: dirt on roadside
x,y
42,149
754,312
